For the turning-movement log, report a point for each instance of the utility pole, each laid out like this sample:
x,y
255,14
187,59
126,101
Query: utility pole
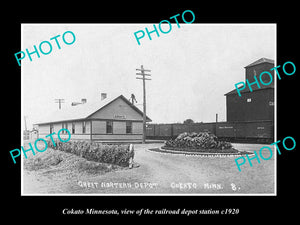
x,y
216,124
142,73
59,101
25,123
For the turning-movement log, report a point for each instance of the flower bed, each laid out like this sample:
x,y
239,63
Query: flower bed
x,y
113,154
200,142
201,150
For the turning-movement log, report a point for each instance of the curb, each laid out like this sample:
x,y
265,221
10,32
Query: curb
x,y
196,154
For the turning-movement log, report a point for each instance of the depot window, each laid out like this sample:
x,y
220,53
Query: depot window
x,y
64,126
51,128
73,128
109,127
83,127
128,127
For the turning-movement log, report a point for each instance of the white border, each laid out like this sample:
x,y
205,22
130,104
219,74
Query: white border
x,y
149,194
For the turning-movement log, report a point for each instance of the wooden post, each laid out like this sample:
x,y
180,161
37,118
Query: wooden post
x,y
59,101
216,124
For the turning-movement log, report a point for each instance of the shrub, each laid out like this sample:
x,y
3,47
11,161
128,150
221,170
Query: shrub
x,y
93,151
202,140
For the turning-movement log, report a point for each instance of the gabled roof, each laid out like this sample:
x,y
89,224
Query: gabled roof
x,y
83,111
260,61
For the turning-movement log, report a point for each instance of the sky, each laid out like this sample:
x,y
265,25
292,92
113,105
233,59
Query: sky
x,y
192,67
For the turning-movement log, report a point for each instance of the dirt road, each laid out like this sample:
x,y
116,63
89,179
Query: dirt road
x,y
161,174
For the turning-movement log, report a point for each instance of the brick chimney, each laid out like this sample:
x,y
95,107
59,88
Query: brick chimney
x,y
103,96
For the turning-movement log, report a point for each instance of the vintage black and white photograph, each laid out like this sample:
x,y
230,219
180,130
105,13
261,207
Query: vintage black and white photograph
x,y
148,109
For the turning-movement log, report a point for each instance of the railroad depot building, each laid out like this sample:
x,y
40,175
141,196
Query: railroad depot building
x,y
257,105
109,119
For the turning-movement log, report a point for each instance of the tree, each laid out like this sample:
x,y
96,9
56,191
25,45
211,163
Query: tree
x,y
188,121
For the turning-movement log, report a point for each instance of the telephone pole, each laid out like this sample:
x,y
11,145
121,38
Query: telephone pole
x,y
25,123
59,101
142,73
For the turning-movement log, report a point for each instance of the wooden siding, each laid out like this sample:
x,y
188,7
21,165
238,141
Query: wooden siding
x,y
116,110
65,136
44,129
119,127
137,127
99,127
238,109
117,137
